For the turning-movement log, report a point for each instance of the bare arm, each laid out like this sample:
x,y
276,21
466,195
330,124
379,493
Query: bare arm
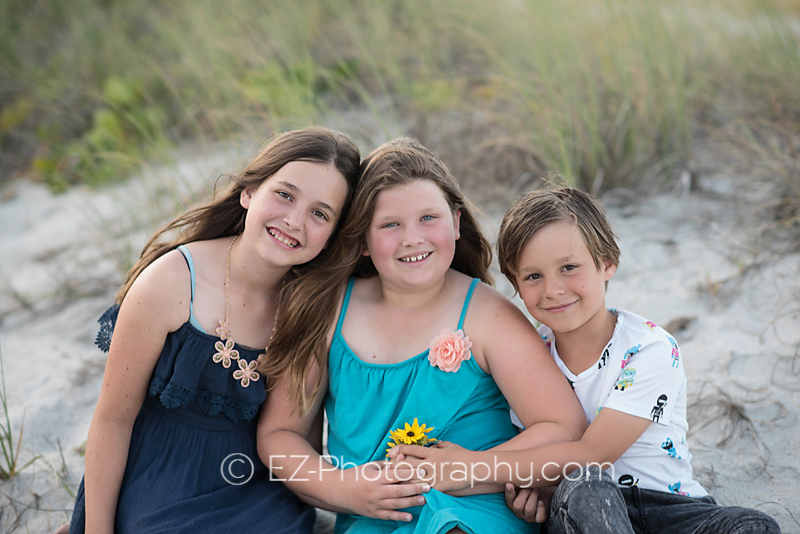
x,y
157,303
606,439
368,490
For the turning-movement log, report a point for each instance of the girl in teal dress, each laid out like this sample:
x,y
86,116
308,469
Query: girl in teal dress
x,y
422,349
172,443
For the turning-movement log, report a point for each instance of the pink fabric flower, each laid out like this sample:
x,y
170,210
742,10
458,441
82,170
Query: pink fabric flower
x,y
449,349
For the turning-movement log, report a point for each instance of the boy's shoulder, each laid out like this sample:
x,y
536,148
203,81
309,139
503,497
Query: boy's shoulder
x,y
630,328
646,353
633,328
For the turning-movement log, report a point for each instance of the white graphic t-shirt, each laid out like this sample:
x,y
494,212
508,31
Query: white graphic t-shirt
x,y
640,373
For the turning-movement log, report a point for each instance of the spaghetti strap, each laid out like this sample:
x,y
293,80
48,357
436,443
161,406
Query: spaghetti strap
x,y
188,257
366,402
345,303
466,303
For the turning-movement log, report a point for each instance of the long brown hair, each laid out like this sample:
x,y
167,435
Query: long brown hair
x,y
223,215
394,163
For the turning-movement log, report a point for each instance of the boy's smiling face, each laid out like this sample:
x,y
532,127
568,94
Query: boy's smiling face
x,y
559,282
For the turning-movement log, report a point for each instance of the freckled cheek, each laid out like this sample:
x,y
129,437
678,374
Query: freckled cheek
x,y
381,248
261,215
323,235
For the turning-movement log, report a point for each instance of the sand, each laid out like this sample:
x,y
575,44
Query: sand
x,y
687,264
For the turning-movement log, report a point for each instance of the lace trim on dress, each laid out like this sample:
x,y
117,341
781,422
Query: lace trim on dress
x,y
174,396
107,322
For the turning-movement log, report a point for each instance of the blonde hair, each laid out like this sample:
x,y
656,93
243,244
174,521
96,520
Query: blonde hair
x,y
396,162
534,210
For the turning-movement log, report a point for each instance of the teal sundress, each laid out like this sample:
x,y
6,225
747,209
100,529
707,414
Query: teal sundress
x,y
366,401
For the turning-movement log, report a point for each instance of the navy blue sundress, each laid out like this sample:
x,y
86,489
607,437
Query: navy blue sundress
x,y
193,444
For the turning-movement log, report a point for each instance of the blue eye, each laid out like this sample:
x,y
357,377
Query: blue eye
x,y
389,225
427,217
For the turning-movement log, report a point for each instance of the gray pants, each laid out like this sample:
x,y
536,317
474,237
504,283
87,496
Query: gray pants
x,y
589,501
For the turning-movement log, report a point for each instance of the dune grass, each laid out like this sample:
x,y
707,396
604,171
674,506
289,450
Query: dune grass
x,y
606,92
10,464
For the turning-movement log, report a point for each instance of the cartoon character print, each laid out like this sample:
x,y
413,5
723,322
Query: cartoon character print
x,y
547,342
676,489
605,357
658,410
629,353
597,411
626,380
650,324
676,354
670,448
627,480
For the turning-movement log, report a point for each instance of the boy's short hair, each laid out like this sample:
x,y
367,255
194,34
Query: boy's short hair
x,y
536,209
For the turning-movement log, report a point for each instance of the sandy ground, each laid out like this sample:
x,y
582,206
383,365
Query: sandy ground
x,y
735,313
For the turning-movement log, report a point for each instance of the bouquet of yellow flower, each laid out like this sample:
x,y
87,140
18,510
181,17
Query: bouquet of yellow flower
x,y
411,435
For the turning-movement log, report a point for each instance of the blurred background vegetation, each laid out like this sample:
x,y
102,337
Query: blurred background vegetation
x,y
607,93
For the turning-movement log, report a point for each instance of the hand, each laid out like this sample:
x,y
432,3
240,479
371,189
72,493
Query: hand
x,y
399,457
447,466
409,450
380,490
526,504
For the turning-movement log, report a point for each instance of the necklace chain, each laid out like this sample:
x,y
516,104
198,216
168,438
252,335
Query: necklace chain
x,y
226,353
227,288
228,275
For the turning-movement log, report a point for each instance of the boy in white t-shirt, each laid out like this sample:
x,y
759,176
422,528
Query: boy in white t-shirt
x,y
558,250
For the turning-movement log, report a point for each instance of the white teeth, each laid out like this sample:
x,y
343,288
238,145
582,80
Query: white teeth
x,y
285,241
412,259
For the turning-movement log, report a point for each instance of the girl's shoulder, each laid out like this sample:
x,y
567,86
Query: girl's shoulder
x,y
208,248
165,287
495,315
489,300
169,269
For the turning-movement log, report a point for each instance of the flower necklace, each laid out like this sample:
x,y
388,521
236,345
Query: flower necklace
x,y
225,352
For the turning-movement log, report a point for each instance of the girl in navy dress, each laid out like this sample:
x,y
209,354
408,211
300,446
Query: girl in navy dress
x,y
172,443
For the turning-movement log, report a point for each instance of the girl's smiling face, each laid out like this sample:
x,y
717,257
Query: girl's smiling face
x,y
292,214
412,236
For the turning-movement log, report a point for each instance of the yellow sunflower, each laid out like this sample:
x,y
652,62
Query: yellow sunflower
x,y
411,435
